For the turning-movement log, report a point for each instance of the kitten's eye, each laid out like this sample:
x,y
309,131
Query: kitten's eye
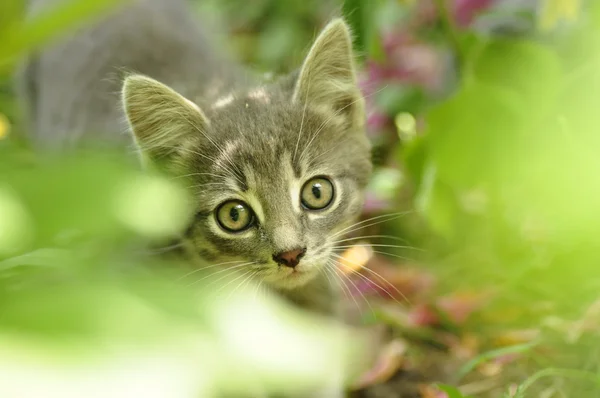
x,y
234,216
317,193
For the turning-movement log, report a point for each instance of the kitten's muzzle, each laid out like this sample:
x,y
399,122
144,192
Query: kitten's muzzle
x,y
290,258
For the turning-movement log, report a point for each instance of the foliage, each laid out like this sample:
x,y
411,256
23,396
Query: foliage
x,y
483,118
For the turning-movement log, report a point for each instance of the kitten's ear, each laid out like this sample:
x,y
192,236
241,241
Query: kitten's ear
x,y
161,120
328,78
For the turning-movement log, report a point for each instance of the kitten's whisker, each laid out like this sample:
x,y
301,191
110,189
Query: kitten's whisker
x,y
257,289
322,270
243,274
198,174
362,267
202,185
370,237
378,245
245,281
208,267
393,255
162,249
359,225
330,268
228,269
338,271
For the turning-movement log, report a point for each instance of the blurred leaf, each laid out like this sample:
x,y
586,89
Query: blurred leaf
x,y
357,13
471,133
437,202
529,69
39,258
396,98
554,11
11,12
99,196
278,37
472,364
414,155
4,127
451,392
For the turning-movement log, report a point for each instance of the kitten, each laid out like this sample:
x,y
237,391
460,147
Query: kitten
x,y
277,169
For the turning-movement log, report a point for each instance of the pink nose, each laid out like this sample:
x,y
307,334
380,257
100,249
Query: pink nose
x,y
290,258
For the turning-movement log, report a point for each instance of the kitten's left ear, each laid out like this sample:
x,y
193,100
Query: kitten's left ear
x,y
328,77
162,121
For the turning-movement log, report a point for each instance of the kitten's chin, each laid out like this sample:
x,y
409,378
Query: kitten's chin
x,y
294,279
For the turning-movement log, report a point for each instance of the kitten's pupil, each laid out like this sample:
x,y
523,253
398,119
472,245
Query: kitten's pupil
x,y
234,213
316,190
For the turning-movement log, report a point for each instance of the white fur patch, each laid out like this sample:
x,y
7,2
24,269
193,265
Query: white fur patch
x,y
224,101
260,94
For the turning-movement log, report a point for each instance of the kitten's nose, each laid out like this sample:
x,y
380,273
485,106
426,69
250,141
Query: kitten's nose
x,y
290,258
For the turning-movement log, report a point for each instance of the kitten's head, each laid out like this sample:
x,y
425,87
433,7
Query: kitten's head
x,y
277,172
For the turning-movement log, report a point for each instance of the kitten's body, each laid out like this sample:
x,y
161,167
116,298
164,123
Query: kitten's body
x,y
229,136
72,87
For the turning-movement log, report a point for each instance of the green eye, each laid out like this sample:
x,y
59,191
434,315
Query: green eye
x,y
234,216
317,193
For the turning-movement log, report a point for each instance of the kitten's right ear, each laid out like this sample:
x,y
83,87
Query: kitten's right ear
x,y
328,75
162,121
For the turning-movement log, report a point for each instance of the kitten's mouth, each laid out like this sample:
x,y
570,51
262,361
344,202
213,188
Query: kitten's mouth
x,y
296,277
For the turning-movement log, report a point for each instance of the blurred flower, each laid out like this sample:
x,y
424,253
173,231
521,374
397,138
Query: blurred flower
x,y
375,204
355,258
376,122
465,11
409,60
554,11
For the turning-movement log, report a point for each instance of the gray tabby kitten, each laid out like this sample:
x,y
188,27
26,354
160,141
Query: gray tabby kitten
x,y
277,169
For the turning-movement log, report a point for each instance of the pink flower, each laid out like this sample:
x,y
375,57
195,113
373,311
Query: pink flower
x,y
374,204
376,121
465,11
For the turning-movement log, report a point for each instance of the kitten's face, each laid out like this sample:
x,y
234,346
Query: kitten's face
x,y
276,179
276,173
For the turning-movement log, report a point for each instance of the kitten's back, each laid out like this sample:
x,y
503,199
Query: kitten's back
x,y
70,90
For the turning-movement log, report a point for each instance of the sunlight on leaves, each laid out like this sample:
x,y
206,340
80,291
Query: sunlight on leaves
x,y
4,126
553,12
16,226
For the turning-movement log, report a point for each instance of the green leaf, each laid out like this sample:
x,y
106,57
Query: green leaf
x,y
396,98
451,392
471,134
40,258
437,202
358,14
486,356
530,69
11,12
